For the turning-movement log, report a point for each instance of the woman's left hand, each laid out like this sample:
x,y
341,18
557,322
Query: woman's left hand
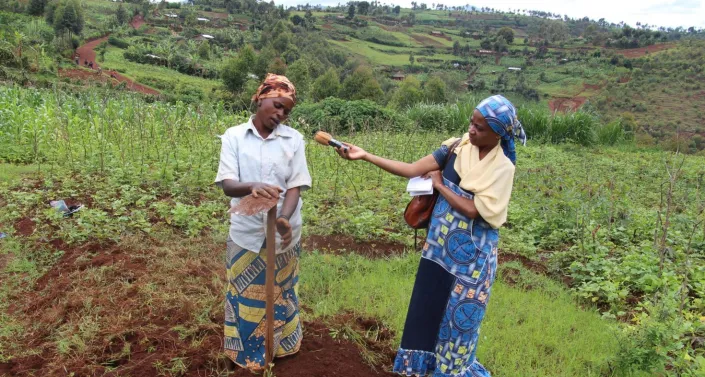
x,y
436,178
284,229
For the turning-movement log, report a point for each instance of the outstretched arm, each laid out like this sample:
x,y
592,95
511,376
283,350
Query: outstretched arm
x,y
402,169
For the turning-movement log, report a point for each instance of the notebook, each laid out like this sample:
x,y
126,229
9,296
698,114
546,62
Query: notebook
x,y
418,186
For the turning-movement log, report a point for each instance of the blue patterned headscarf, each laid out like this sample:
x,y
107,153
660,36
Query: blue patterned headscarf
x,y
502,117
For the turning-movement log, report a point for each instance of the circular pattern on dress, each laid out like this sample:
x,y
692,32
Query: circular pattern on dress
x,y
442,206
467,316
460,247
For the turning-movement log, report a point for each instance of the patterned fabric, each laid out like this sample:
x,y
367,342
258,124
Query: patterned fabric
x,y
245,306
502,117
466,249
275,86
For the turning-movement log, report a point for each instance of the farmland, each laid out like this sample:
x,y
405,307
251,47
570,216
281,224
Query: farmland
x,y
601,263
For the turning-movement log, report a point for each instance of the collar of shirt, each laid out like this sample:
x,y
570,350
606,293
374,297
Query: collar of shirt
x,y
281,130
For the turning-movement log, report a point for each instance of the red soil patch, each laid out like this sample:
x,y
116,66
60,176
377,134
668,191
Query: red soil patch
x,y
24,227
566,104
338,244
426,41
87,53
142,334
624,79
137,22
639,52
321,355
327,26
592,87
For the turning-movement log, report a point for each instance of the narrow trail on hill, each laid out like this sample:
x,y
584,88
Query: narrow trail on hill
x,y
86,53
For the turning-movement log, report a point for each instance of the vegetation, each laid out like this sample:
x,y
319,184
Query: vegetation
x,y
604,272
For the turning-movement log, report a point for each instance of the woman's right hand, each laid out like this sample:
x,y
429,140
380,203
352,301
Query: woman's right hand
x,y
352,152
264,190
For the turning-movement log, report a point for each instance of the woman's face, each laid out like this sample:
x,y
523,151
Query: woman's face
x,y
274,111
481,134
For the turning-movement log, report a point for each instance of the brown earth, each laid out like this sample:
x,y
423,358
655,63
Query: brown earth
x,y
563,105
24,227
322,355
137,21
566,104
339,244
87,53
145,325
639,52
426,41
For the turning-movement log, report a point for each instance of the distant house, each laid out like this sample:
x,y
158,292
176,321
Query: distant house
x,y
515,69
340,17
456,65
398,76
171,15
201,19
152,56
485,52
476,35
204,37
437,33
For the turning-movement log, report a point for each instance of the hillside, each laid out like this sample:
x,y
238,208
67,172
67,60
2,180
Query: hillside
x,y
183,52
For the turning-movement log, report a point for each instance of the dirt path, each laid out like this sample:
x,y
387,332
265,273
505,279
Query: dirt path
x,y
87,53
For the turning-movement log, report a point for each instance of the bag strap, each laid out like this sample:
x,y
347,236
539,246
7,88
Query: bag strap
x,y
450,152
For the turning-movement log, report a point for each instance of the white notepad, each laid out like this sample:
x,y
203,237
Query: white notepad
x,y
418,186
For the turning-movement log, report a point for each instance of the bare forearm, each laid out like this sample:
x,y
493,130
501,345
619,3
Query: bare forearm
x,y
464,205
402,169
291,200
235,189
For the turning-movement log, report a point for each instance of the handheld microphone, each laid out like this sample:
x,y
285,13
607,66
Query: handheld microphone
x,y
325,138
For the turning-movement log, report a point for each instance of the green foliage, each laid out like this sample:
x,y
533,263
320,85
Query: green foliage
x,y
36,7
121,15
326,86
68,17
235,70
507,34
119,43
337,115
408,94
361,85
434,90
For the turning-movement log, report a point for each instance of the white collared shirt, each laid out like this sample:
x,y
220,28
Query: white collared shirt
x,y
279,160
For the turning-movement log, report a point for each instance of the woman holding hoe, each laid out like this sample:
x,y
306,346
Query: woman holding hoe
x,y
263,157
474,176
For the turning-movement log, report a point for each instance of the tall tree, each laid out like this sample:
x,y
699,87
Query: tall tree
x,y
68,17
121,15
326,86
351,11
36,7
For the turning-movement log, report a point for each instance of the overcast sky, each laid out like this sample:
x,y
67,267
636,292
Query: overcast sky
x,y
669,13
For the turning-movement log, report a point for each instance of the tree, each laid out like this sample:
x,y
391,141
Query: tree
x,y
277,67
121,15
299,74
351,11
361,85
204,50
456,48
506,33
363,7
408,94
435,90
235,70
310,19
298,20
396,10
326,86
68,17
36,7
411,58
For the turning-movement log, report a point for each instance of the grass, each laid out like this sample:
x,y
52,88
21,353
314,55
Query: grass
x,y
538,332
363,49
11,172
114,59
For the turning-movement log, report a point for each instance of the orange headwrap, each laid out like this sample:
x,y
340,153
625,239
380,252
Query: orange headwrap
x,y
275,86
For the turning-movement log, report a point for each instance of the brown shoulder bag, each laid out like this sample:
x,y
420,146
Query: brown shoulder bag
x,y
420,209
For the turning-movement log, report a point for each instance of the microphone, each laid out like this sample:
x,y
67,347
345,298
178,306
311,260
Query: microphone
x,y
325,138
